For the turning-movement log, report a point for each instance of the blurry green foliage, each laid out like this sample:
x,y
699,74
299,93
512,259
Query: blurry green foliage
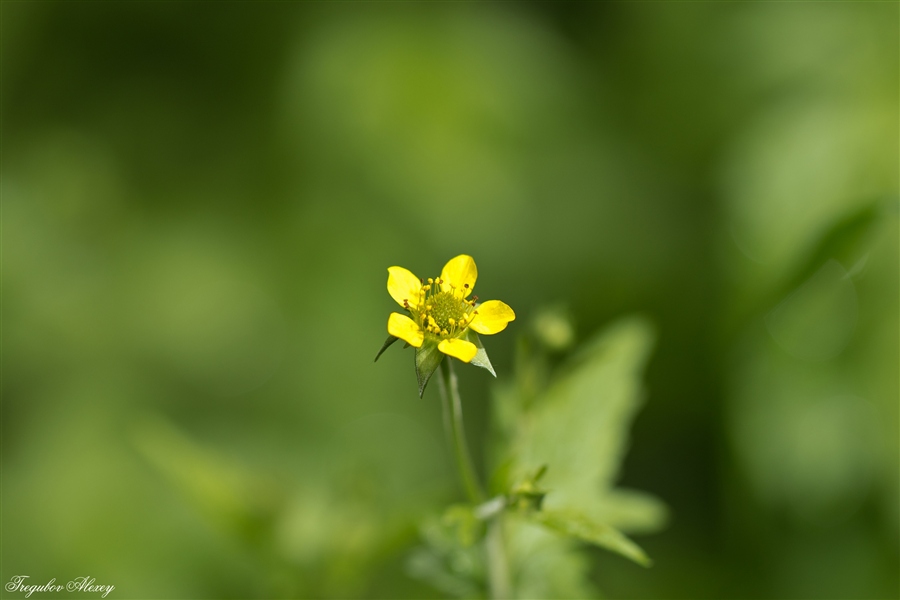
x,y
576,427
559,452
198,204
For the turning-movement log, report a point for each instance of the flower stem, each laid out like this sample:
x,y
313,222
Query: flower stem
x,y
453,420
498,568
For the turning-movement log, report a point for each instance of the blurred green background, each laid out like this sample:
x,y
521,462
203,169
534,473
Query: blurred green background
x,y
200,201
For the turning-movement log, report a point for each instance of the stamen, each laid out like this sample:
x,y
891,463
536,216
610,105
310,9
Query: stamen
x,y
442,310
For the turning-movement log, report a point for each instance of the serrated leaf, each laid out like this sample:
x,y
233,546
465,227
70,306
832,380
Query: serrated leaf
x,y
481,358
578,526
387,344
428,359
579,425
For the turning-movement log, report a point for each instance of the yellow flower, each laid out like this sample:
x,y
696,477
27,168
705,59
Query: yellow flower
x,y
440,310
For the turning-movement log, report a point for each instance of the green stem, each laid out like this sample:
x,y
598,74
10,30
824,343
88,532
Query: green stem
x,y
453,419
498,568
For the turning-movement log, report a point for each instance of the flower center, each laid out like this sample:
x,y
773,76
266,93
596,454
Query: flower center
x,y
446,310
444,314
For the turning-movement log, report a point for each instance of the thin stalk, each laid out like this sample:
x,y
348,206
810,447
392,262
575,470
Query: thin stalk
x,y
498,568
453,420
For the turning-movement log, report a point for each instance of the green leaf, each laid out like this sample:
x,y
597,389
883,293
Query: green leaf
x,y
846,239
461,518
428,359
578,526
481,358
631,511
546,564
387,344
579,425
239,500
446,563
442,573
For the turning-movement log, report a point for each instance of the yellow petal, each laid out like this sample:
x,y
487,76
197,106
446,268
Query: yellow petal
x,y
403,285
492,317
459,272
461,349
406,329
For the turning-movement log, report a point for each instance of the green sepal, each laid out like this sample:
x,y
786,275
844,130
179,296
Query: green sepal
x,y
428,359
481,358
578,526
387,344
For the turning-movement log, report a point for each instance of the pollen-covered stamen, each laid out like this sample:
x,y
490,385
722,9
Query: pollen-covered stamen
x,y
442,313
